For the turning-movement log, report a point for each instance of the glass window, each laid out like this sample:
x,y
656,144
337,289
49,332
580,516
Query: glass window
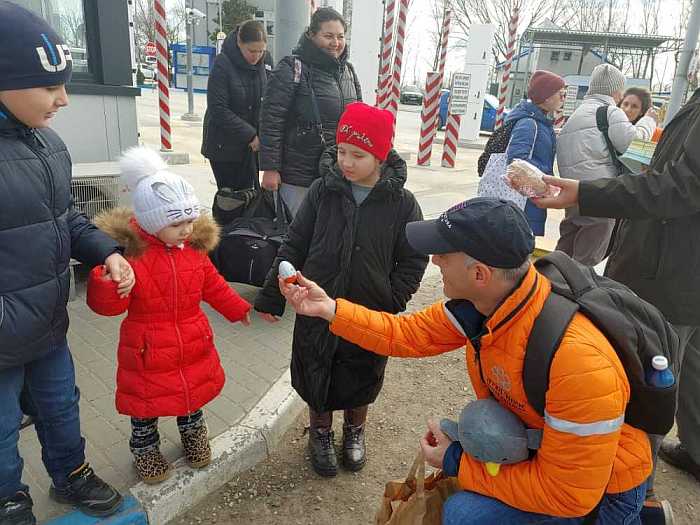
x,y
555,56
67,17
567,56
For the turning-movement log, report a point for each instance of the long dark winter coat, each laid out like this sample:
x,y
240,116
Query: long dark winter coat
x,y
359,253
39,232
289,136
657,249
234,95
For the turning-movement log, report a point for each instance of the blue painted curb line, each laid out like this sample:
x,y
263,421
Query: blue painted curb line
x,y
130,513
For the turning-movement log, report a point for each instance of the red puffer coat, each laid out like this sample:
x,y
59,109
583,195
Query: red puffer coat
x,y
167,362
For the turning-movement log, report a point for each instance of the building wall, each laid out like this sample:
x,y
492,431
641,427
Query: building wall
x,y
97,128
365,45
543,59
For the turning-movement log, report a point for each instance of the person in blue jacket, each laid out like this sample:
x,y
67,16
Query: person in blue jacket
x,y
532,137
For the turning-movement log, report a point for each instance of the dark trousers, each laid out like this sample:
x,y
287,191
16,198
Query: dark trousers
x,y
234,175
44,389
324,420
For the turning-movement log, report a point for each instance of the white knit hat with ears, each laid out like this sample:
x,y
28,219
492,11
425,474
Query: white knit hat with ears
x,y
160,198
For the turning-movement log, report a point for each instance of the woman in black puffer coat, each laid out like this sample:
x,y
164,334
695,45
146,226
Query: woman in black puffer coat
x,y
234,94
290,134
350,239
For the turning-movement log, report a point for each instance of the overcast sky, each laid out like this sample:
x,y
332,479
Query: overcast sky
x,y
419,48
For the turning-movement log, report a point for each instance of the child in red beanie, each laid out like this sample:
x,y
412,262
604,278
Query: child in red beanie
x,y
349,237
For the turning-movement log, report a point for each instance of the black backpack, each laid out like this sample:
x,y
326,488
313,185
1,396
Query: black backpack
x,y
635,329
601,120
497,143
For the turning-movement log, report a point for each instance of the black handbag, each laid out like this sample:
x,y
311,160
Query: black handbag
x,y
249,244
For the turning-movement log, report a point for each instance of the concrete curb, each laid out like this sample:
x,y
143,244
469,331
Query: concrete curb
x,y
236,450
173,158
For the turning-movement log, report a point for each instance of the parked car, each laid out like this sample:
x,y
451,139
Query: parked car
x,y
149,74
411,95
488,116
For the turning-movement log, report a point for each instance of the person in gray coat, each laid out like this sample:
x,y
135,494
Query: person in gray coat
x,y
583,154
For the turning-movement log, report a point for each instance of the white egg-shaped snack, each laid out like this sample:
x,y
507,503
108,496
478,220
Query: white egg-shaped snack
x,y
287,272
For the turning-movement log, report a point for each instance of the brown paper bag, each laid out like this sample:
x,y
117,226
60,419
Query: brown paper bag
x,y
417,500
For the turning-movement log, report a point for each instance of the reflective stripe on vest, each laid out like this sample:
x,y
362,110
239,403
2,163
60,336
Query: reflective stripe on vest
x,y
596,428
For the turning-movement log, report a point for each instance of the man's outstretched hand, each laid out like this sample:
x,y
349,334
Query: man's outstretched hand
x,y
567,197
308,298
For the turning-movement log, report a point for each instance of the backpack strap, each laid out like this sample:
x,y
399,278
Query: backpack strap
x,y
544,340
355,80
570,280
314,107
601,120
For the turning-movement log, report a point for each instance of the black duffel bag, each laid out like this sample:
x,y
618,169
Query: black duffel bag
x,y
249,245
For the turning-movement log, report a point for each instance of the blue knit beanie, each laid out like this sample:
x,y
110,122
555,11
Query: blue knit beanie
x,y
32,54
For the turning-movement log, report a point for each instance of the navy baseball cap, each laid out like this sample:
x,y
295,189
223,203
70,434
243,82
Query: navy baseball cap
x,y
493,231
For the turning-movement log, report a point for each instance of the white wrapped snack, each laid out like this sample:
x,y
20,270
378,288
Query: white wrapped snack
x,y
527,180
287,272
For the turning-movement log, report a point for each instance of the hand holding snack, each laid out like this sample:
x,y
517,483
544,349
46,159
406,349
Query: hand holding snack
x,y
527,180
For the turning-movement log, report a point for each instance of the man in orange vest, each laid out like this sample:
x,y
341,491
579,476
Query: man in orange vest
x,y
590,460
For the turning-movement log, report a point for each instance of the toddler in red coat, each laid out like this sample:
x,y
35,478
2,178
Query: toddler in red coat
x,y
167,362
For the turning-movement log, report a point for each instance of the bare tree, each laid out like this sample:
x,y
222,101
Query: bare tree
x,y
144,23
73,27
499,12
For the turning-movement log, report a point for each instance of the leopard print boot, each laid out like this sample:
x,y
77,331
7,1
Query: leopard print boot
x,y
195,442
152,466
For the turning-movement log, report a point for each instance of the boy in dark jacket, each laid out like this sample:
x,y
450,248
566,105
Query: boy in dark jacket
x,y
349,234
39,232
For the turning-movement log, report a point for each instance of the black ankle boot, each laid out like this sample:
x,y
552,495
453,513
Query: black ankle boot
x,y
322,452
354,452
17,510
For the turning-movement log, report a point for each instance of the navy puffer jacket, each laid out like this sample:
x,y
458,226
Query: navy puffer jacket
x,y
39,232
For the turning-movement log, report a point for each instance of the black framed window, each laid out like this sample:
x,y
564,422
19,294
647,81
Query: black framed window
x,y
67,17
98,35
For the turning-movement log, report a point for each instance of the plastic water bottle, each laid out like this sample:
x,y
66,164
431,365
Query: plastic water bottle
x,y
660,376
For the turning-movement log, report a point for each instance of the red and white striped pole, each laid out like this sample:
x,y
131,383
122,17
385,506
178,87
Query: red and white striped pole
x,y
449,149
163,82
431,103
393,102
505,80
384,80
446,21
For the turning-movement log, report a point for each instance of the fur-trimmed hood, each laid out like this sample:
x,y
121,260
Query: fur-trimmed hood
x,y
121,225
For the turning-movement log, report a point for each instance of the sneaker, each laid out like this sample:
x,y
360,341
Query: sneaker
x,y
656,512
195,442
17,510
674,453
88,493
322,452
152,467
354,452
